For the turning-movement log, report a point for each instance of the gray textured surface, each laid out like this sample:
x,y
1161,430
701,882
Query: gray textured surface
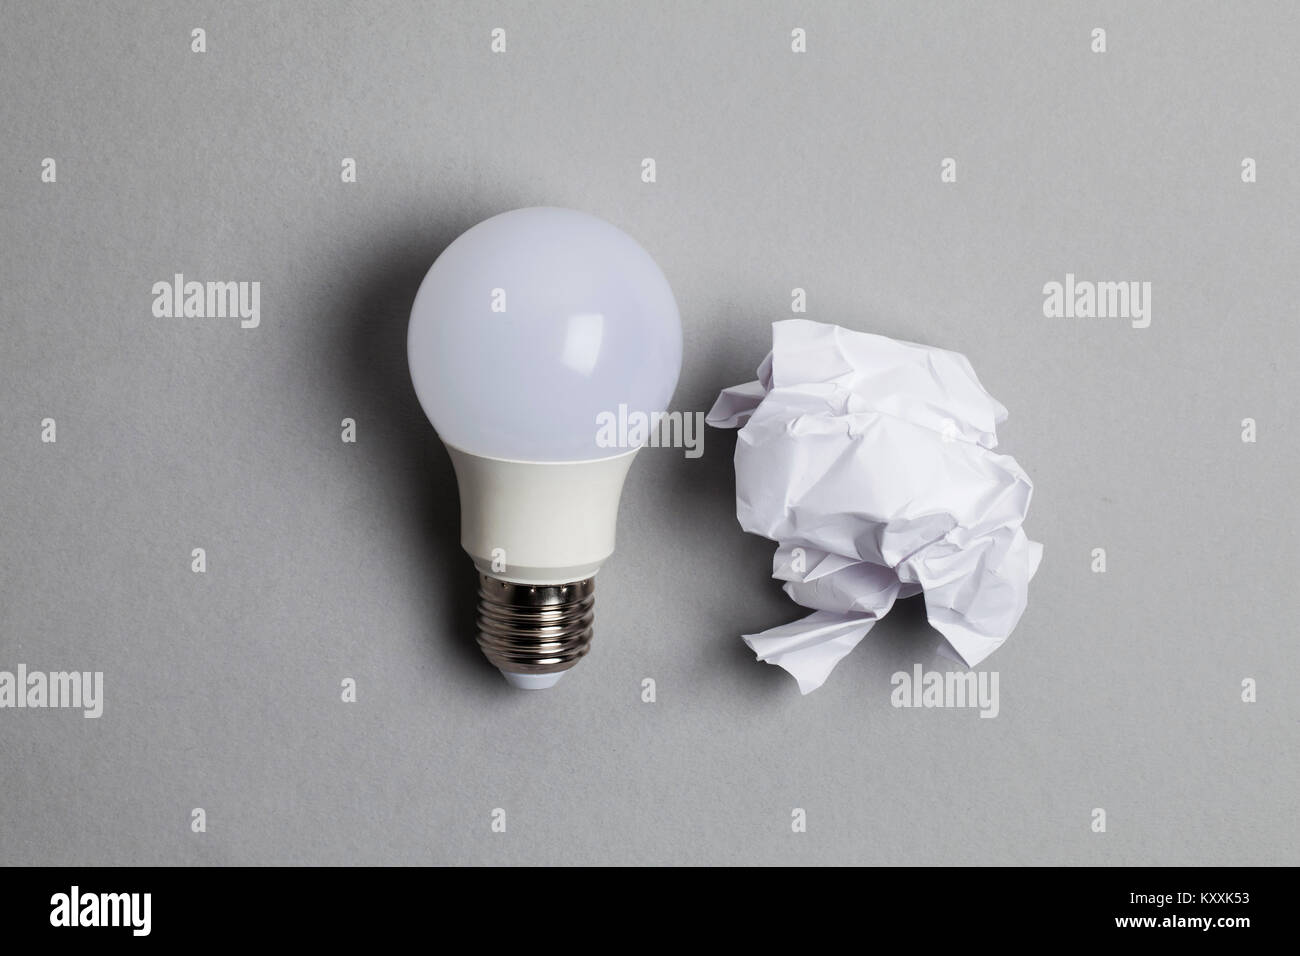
x,y
775,170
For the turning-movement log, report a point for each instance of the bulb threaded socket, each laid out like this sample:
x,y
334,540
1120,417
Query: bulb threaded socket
x,y
534,628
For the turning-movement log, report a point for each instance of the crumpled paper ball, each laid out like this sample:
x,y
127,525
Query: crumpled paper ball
x,y
871,463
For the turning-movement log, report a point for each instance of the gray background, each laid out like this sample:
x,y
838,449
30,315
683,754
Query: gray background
x,y
325,560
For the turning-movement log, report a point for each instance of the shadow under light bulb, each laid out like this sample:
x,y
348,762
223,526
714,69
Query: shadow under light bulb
x,y
525,330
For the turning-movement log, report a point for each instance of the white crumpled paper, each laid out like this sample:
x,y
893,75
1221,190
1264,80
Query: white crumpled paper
x,y
870,462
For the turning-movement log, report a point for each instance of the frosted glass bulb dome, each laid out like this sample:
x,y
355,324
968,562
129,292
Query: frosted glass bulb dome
x,y
531,324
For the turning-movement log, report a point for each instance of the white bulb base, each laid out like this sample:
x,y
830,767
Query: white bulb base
x,y
539,522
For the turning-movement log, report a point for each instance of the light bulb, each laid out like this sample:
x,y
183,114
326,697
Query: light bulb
x,y
526,330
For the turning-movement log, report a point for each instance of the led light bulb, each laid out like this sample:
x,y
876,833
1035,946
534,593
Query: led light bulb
x,y
528,329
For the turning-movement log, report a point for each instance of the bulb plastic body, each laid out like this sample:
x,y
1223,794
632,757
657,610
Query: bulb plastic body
x,y
525,331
